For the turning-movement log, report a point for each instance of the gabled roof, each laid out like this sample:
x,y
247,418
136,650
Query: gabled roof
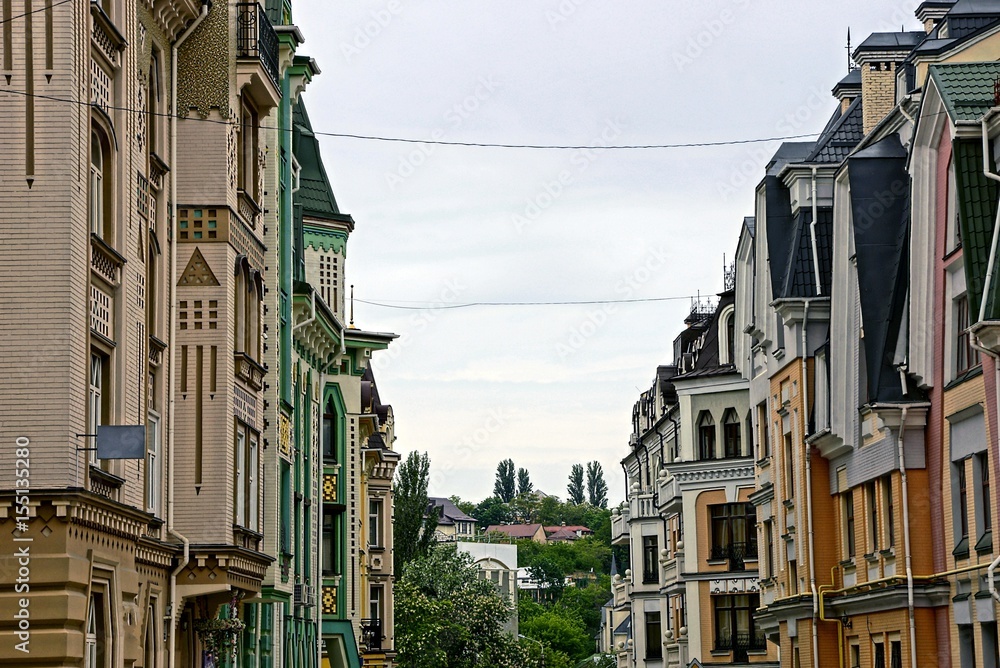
x,y
891,41
515,530
977,208
448,512
315,194
966,88
789,152
842,135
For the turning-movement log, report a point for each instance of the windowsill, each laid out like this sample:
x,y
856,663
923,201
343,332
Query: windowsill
x,y
376,548
985,543
951,253
717,562
848,563
778,354
721,652
871,558
961,550
764,462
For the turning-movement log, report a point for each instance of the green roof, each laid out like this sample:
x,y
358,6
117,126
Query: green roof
x,y
315,194
966,88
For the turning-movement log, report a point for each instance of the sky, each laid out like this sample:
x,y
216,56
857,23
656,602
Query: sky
x,y
437,226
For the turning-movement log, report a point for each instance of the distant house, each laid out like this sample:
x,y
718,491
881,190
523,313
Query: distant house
x,y
535,532
453,524
498,564
556,534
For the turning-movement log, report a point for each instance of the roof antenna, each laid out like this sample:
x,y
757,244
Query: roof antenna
x,y
351,325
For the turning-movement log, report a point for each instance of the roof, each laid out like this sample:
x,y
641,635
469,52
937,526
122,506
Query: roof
x,y
850,83
842,135
750,223
788,152
515,530
966,88
448,512
315,193
974,8
575,527
891,41
625,628
977,208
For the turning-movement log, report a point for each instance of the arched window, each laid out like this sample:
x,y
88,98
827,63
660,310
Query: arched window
x,y
731,338
329,444
239,309
96,185
731,435
727,335
250,321
706,436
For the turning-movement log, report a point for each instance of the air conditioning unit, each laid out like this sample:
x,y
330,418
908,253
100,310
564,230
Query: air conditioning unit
x,y
304,595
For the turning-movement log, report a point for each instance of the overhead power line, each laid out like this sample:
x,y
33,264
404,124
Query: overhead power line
x,y
34,11
437,306
408,140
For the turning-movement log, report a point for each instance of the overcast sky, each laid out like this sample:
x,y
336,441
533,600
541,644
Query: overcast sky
x,y
550,386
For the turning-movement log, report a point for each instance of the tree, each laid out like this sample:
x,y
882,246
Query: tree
x,y
446,615
560,630
597,489
492,511
575,486
504,487
524,486
414,522
467,507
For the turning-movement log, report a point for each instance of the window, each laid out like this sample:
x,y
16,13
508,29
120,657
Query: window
x,y
890,512
154,470
650,551
991,653
375,522
248,177
873,529
879,660
962,493
253,478
789,468
849,523
731,434
151,635
896,654
765,433
985,514
706,436
734,625
734,533
330,559
96,641
966,356
375,602
101,192
654,641
239,487
855,655
99,402
967,646
731,339
329,442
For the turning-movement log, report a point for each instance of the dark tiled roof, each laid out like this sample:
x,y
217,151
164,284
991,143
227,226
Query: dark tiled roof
x,y
891,41
966,88
975,8
789,152
880,204
850,83
750,223
977,208
843,134
448,512
315,193
800,277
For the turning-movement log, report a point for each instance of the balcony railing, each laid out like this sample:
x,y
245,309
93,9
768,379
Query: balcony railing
x,y
371,634
642,506
741,642
255,38
619,526
736,553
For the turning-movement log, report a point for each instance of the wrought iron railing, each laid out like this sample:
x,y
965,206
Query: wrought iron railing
x,y
256,38
741,642
371,634
736,553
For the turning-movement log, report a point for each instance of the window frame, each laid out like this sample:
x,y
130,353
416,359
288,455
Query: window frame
x,y
375,519
154,465
850,529
706,436
732,435
653,624
650,560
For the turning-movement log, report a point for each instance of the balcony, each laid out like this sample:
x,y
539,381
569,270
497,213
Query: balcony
x,y
740,644
619,527
643,507
371,634
676,654
257,46
620,591
105,484
736,553
249,371
669,494
248,209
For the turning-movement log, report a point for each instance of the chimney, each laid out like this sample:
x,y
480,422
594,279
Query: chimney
x,y
930,13
848,89
878,58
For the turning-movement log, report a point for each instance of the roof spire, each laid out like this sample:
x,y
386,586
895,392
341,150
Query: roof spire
x,y
351,325
850,62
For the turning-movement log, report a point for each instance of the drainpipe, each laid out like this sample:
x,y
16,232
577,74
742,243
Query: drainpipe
x,y
808,458
812,234
906,542
172,318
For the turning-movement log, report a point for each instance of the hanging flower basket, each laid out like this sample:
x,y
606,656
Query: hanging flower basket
x,y
218,635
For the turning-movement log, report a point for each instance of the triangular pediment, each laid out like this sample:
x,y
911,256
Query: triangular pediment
x,y
197,272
